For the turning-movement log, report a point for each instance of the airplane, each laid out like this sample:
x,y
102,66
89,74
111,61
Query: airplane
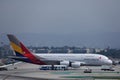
x,y
22,53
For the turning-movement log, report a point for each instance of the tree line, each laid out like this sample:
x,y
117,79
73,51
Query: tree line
x,y
113,53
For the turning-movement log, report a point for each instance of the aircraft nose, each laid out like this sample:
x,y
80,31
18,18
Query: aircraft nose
x,y
110,62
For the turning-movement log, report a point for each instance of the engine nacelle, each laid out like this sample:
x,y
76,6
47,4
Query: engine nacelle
x,y
75,64
65,63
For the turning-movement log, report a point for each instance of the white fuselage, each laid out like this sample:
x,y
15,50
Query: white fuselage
x,y
88,59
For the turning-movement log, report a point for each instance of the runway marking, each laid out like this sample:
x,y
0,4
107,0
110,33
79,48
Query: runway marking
x,y
6,77
61,72
93,77
70,72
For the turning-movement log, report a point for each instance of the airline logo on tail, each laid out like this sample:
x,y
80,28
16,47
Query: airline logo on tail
x,y
22,52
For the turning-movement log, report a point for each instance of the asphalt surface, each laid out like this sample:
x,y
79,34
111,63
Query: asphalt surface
x,y
25,71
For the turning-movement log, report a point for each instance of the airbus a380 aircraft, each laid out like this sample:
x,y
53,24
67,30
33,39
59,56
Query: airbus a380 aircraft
x,y
22,53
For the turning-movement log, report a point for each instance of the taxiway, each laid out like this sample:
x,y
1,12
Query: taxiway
x,y
26,71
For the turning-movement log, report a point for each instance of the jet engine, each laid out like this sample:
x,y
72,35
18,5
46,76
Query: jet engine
x,y
65,63
75,64
71,64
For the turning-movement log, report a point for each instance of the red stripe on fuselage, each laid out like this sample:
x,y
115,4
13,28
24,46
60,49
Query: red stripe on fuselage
x,y
29,55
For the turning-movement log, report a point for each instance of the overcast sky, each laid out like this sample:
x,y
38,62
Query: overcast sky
x,y
92,23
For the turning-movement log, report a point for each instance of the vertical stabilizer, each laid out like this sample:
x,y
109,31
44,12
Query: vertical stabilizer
x,y
22,51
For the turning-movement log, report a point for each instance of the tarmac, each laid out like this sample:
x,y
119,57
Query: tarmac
x,y
26,71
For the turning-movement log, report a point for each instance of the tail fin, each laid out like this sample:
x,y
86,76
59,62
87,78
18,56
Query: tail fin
x,y
22,51
16,45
